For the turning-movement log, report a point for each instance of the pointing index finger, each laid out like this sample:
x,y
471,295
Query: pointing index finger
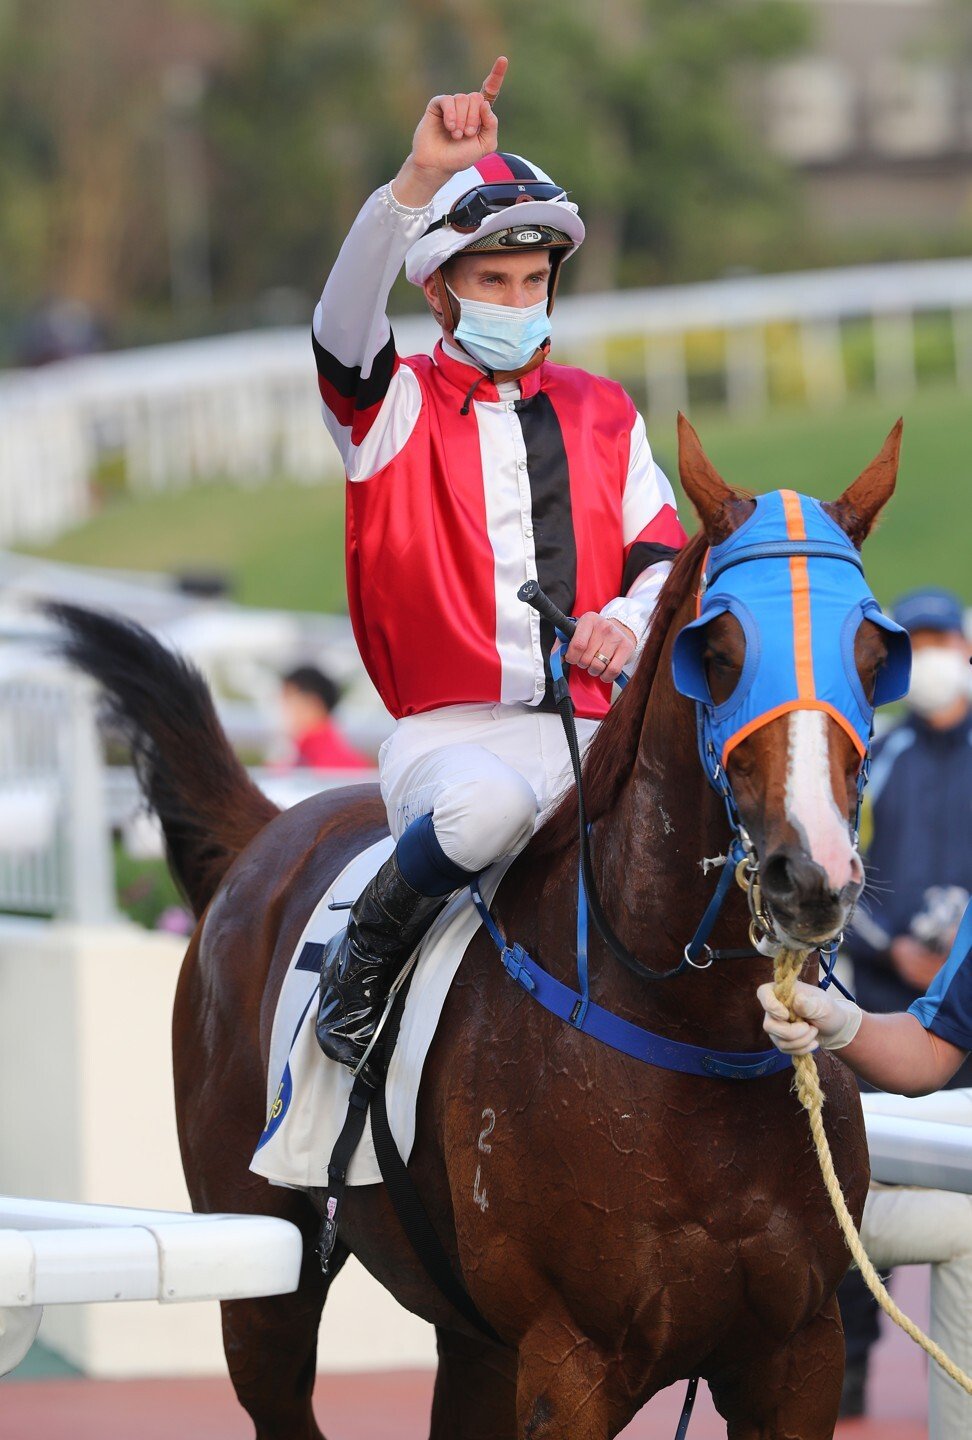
x,y
494,80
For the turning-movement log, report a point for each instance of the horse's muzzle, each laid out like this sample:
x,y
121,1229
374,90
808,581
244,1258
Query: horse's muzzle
x,y
799,896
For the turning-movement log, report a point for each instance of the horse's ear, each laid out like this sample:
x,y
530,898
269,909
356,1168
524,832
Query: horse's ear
x,y
720,508
861,503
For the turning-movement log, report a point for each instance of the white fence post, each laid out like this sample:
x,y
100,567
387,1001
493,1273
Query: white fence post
x,y
55,837
89,866
747,389
894,355
823,362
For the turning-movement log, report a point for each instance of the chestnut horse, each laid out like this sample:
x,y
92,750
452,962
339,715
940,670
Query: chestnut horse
x,y
623,1226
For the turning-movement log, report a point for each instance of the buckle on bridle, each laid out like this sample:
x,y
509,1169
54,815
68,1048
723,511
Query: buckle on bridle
x,y
699,964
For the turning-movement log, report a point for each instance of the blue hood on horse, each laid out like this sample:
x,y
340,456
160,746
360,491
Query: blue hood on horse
x,y
800,609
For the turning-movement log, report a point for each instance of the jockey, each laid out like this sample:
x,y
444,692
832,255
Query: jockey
x,y
470,471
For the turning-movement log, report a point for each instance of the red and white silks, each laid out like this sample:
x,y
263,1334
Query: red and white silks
x,y
448,513
458,492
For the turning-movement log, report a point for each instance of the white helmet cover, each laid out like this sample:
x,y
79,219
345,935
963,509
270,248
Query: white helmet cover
x,y
436,247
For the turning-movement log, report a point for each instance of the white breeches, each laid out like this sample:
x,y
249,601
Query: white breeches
x,y
907,1226
485,773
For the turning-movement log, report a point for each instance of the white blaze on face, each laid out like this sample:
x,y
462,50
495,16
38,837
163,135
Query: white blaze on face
x,y
810,805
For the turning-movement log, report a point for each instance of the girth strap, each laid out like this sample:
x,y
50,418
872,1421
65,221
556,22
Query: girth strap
x,y
369,1090
414,1220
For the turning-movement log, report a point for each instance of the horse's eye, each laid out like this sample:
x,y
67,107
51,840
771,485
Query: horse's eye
x,y
869,673
722,672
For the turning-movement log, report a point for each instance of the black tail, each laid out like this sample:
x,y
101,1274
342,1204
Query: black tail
x,y
208,805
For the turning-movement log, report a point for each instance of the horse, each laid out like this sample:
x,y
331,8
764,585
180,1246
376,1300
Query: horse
x,y
623,1226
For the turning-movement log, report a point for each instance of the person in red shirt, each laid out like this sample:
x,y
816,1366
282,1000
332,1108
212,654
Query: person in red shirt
x,y
308,696
469,471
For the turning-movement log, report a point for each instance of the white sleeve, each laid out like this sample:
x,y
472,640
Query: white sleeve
x,y
652,536
370,400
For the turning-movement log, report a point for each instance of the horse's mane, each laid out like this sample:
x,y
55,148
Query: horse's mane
x,y
611,755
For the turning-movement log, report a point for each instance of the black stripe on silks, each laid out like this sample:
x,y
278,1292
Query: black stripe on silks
x,y
519,168
347,380
642,555
553,525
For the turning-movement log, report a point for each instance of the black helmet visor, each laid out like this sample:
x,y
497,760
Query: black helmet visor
x,y
471,210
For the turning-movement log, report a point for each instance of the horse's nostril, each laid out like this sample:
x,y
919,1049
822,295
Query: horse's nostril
x,y
779,876
792,879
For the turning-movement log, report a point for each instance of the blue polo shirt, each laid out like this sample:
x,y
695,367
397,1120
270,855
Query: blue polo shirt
x,y
946,1006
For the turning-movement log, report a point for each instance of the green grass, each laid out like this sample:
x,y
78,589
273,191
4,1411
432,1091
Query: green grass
x,y
282,545
924,535
279,545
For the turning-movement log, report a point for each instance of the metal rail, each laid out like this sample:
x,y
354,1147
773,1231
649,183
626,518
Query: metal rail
x,y
57,1254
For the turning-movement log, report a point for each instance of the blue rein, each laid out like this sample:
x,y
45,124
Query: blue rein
x,y
576,1008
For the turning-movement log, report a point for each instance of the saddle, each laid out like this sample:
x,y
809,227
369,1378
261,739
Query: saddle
x,y
307,1094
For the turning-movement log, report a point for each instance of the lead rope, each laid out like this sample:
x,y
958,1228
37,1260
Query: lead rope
x,y
786,971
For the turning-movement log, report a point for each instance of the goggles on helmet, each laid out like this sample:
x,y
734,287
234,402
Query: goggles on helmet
x,y
471,210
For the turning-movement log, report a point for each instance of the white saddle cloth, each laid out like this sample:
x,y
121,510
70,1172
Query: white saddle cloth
x,y
307,1094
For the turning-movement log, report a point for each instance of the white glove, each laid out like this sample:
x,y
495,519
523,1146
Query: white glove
x,y
828,1020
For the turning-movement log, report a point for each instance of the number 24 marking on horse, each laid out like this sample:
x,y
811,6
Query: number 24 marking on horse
x,y
484,1148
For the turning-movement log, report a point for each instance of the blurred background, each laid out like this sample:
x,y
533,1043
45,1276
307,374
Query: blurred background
x,y
778,197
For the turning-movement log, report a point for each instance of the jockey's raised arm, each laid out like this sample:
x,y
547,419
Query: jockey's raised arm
x,y
354,346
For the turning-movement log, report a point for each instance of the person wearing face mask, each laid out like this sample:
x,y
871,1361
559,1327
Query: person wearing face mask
x,y
919,863
919,857
469,472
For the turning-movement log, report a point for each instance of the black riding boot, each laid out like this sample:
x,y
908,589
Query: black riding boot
x,y
386,922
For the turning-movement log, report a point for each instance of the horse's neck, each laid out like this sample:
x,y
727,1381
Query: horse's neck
x,y
649,852
666,821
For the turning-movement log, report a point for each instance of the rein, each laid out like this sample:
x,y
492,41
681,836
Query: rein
x,y
575,1007
739,863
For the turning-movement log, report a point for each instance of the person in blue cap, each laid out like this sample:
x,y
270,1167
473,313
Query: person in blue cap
x,y
919,862
919,857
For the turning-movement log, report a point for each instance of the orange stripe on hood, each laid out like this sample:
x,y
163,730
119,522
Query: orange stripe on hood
x,y
800,583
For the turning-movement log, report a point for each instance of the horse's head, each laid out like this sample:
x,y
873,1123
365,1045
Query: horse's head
x,y
787,658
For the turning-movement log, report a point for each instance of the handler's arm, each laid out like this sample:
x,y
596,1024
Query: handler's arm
x,y
893,1052
896,1053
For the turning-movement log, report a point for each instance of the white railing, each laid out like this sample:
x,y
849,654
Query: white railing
x,y
245,407
54,1253
55,844
60,803
62,1254
918,1152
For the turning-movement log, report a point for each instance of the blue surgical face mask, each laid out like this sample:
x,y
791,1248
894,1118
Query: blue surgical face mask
x,y
501,337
